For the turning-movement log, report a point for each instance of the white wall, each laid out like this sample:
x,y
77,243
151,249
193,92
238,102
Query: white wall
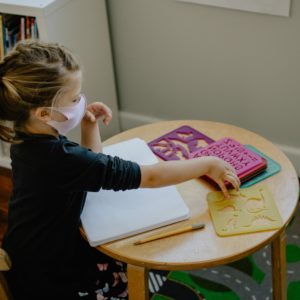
x,y
177,60
82,26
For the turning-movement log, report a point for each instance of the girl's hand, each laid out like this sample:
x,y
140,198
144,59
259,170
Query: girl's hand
x,y
221,171
96,110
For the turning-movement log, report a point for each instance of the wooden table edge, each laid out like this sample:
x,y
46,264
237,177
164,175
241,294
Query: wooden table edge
x,y
192,265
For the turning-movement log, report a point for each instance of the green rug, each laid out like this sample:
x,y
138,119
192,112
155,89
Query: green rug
x,y
247,279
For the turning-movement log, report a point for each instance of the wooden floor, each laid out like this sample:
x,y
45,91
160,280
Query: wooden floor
x,y
5,192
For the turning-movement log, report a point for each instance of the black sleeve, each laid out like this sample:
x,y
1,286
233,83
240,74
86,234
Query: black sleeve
x,y
81,169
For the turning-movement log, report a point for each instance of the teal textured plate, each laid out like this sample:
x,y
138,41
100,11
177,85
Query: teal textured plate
x,y
273,168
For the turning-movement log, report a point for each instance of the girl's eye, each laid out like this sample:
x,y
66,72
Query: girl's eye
x,y
76,99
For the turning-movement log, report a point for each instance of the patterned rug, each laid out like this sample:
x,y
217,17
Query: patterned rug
x,y
247,279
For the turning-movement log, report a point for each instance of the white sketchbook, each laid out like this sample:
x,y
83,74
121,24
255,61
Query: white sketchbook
x,y
109,215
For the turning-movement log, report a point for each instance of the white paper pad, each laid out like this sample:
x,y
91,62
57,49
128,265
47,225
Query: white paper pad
x,y
109,215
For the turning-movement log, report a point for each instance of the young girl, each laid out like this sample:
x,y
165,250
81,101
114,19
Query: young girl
x,y
40,96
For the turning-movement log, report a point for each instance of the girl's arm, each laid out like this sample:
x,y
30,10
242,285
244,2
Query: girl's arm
x,y
174,172
90,133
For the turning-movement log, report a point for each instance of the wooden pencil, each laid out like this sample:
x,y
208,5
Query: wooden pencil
x,y
170,233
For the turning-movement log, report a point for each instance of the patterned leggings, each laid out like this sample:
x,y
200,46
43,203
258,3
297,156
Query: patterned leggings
x,y
109,282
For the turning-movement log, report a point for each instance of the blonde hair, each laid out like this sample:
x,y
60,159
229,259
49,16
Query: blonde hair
x,y
31,76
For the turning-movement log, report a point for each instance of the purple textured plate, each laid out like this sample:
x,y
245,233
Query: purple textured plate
x,y
179,143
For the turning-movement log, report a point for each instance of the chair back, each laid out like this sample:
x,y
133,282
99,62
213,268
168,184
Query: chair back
x,y
5,265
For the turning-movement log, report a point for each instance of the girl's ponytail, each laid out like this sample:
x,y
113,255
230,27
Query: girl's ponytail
x,y
12,110
7,134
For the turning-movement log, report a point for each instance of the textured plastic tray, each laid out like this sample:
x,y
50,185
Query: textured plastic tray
x,y
179,143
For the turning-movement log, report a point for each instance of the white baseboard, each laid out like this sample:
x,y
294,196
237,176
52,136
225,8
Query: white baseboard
x,y
129,120
293,153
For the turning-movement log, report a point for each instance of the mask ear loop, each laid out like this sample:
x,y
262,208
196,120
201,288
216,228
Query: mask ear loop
x,y
85,101
55,101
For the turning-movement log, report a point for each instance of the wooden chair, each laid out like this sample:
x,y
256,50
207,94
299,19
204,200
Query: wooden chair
x,y
5,265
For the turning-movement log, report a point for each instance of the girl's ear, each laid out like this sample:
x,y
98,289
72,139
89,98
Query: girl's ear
x,y
42,113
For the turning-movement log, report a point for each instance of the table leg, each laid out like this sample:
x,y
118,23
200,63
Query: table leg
x,y
137,283
279,268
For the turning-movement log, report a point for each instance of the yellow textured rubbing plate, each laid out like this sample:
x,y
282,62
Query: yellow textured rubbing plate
x,y
248,210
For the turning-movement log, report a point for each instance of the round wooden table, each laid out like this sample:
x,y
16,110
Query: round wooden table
x,y
204,248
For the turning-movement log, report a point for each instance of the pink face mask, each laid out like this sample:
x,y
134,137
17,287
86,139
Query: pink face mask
x,y
74,115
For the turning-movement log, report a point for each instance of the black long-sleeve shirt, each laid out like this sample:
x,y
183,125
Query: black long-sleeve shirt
x,y
50,180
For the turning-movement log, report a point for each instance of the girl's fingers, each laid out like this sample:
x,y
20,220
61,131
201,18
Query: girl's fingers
x,y
89,116
99,109
233,180
103,112
231,176
223,188
107,118
230,168
221,172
